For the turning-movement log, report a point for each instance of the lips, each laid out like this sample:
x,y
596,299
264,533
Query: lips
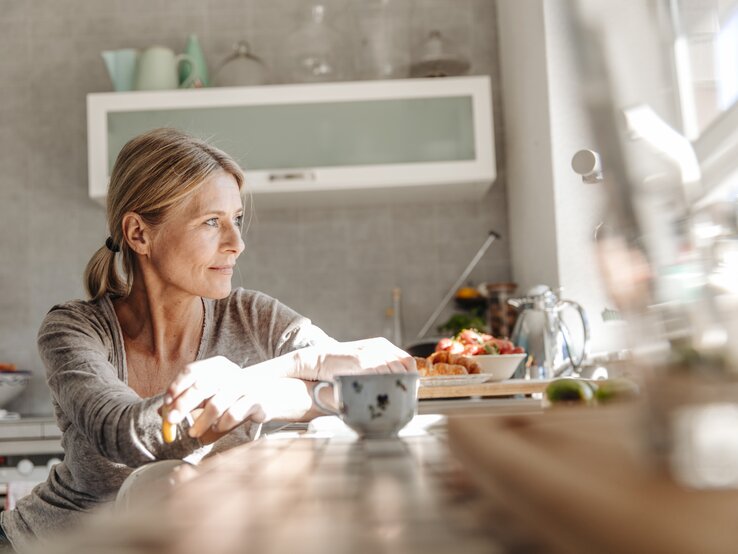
x,y
223,269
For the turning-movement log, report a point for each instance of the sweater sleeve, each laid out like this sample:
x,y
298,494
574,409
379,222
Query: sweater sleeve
x,y
84,383
276,328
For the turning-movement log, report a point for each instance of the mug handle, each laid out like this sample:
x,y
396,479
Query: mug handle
x,y
192,78
318,402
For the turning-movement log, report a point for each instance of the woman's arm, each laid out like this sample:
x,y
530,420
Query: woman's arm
x,y
285,399
115,420
273,389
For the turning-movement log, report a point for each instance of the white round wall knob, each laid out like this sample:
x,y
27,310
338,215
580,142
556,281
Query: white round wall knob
x,y
25,467
52,462
587,164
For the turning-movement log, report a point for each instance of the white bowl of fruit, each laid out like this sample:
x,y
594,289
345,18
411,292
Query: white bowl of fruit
x,y
497,357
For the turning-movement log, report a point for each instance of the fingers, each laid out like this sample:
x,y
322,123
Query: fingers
x,y
223,417
195,372
196,383
190,399
409,363
376,355
396,366
396,359
242,409
213,410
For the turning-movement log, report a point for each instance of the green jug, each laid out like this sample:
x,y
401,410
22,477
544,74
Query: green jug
x,y
196,75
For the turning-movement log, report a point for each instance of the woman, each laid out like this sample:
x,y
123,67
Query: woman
x,y
169,336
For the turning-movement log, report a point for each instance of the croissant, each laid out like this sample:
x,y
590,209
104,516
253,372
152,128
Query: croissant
x,y
444,369
445,357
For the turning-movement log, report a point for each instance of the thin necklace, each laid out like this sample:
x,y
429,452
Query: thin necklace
x,y
202,330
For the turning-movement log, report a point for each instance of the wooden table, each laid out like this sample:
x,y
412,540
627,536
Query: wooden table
x,y
296,492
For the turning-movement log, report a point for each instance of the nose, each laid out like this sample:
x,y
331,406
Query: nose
x,y
232,240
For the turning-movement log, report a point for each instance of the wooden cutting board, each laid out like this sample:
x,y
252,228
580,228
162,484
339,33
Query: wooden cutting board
x,y
499,388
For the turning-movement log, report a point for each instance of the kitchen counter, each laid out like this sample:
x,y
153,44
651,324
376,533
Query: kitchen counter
x,y
294,491
30,435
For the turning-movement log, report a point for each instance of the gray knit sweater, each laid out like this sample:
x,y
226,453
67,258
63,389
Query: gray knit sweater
x,y
108,430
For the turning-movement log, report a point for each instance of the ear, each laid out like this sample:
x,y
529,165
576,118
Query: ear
x,y
136,233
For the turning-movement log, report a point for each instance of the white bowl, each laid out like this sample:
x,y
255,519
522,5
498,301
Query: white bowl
x,y
12,384
151,481
500,366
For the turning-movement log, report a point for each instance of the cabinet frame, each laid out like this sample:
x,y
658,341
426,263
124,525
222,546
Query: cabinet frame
x,y
352,184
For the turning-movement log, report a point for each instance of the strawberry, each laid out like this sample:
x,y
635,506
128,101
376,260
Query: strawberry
x,y
444,344
473,349
470,336
456,347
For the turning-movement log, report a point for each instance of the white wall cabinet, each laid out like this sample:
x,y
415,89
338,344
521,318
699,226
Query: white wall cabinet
x,y
328,143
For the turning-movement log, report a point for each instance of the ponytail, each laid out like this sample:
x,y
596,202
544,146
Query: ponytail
x,y
102,276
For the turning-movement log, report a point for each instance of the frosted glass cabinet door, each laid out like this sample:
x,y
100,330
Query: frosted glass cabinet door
x,y
311,138
320,134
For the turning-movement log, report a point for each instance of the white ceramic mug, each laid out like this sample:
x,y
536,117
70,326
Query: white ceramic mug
x,y
374,405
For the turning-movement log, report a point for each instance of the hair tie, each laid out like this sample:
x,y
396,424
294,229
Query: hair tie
x,y
111,245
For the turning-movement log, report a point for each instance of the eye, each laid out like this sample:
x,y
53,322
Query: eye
x,y
212,222
239,220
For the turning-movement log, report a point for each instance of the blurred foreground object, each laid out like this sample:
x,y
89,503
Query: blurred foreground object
x,y
667,259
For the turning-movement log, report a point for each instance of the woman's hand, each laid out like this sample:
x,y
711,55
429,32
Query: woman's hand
x,y
222,392
225,395
377,355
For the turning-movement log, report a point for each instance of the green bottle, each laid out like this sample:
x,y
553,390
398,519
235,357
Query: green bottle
x,y
194,74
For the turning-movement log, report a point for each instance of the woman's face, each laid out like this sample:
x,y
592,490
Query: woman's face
x,y
196,247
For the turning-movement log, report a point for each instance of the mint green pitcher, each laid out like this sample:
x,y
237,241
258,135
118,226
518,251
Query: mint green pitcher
x,y
158,69
121,65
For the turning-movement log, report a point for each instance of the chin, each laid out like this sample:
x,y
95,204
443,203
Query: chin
x,y
220,294
216,292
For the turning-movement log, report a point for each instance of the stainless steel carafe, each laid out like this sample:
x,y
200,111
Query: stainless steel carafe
x,y
541,330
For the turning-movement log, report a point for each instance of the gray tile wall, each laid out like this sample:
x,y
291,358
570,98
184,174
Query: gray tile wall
x,y
337,266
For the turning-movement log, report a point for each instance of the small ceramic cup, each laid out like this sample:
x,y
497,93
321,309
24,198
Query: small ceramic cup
x,y
373,405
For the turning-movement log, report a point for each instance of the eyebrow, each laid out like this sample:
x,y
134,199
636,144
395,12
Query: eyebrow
x,y
216,212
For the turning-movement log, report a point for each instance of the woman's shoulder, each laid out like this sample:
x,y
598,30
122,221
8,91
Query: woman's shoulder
x,y
247,305
81,309
271,325
240,296
91,316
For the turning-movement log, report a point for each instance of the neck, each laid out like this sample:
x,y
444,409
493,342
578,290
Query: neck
x,y
162,322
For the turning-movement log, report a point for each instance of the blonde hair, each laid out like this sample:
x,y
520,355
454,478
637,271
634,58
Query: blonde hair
x,y
153,173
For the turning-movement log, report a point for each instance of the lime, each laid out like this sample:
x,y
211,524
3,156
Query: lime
x,y
609,390
570,391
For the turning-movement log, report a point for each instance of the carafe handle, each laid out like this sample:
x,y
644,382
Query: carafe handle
x,y
585,327
192,77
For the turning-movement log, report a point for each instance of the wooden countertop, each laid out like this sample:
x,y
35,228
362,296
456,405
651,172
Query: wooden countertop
x,y
296,492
